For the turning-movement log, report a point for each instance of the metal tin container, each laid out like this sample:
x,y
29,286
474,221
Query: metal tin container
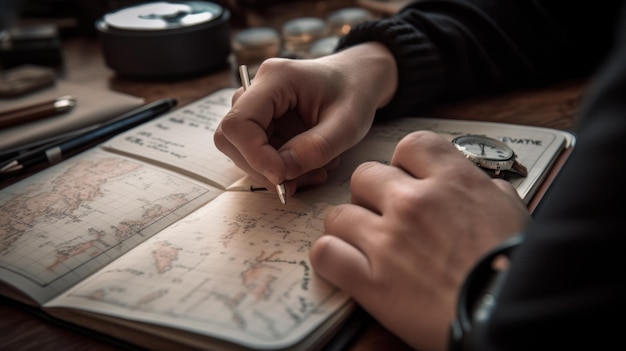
x,y
166,39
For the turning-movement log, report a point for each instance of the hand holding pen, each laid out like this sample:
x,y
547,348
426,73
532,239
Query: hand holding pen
x,y
295,119
245,81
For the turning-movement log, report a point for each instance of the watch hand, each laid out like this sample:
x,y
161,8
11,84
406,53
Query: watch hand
x,y
482,148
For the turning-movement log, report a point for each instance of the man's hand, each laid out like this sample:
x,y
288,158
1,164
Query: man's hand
x,y
298,116
412,233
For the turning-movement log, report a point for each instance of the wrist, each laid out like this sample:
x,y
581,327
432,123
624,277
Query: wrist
x,y
371,69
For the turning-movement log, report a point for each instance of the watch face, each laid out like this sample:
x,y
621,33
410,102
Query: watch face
x,y
482,147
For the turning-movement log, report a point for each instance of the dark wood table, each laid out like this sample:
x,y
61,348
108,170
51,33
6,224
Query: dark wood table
x,y
553,106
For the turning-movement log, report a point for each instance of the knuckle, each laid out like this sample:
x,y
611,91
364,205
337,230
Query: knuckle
x,y
424,141
420,139
405,204
272,64
230,123
319,249
324,151
219,139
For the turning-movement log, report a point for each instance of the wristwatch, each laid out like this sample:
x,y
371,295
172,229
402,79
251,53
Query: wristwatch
x,y
490,154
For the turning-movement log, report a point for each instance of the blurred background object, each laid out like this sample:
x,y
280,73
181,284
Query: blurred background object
x,y
383,8
21,43
166,40
318,26
323,47
252,46
8,14
341,21
36,45
298,34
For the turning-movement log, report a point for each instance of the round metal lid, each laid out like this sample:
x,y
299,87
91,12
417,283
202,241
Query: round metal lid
x,y
163,15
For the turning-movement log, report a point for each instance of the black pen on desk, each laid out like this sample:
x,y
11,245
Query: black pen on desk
x,y
15,151
55,152
37,111
245,82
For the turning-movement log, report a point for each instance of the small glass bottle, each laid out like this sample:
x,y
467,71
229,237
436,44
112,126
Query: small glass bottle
x,y
252,46
298,35
340,22
323,47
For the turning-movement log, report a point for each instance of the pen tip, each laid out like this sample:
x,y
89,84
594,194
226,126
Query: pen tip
x,y
9,167
280,189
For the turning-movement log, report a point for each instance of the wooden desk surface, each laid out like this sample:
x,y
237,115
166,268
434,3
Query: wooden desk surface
x,y
553,106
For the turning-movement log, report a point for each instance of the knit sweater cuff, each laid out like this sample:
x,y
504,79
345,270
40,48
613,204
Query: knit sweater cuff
x,y
420,71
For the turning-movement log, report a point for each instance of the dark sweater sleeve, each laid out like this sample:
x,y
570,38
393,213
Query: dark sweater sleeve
x,y
566,286
449,49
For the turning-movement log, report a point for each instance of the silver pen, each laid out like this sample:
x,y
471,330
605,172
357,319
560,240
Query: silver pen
x,y
245,82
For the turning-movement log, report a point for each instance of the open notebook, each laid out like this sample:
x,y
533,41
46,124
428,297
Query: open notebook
x,y
155,237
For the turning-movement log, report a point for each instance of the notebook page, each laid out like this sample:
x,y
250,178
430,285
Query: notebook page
x,y
62,224
183,140
236,269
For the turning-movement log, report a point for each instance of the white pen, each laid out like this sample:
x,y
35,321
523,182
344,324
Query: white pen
x,y
245,82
